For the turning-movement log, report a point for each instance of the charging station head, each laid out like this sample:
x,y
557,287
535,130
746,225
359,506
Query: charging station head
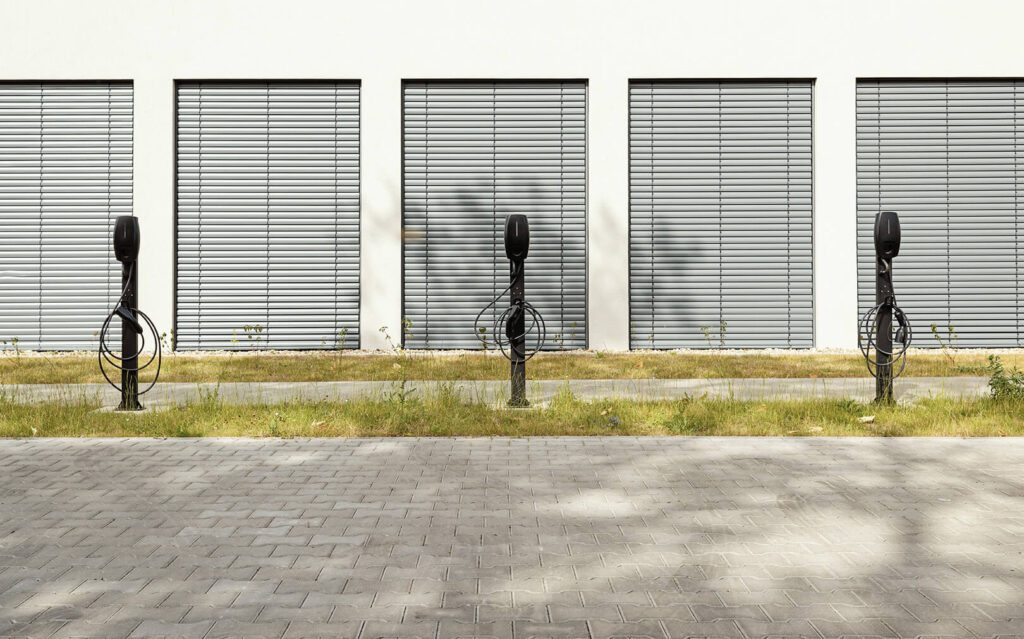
x,y
887,235
517,237
126,238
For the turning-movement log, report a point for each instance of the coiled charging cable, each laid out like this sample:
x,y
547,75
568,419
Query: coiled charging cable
x,y
104,352
869,343
501,328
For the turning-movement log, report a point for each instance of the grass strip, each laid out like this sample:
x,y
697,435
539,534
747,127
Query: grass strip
x,y
445,414
331,366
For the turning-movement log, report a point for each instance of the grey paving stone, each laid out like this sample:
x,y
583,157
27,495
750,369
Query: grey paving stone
x,y
165,630
339,629
162,614
703,630
185,598
562,630
413,630
461,630
634,629
220,613
566,598
792,628
231,628
993,628
29,630
588,613
319,614
90,630
844,629
729,613
532,537
910,628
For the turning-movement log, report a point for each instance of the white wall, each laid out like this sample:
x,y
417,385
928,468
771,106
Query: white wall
x,y
608,42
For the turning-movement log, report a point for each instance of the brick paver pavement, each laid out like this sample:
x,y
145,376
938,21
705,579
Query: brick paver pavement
x,y
540,537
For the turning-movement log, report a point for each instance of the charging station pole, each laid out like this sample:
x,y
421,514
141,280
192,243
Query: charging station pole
x,y
130,342
883,350
887,246
517,339
517,244
509,327
126,250
134,322
875,332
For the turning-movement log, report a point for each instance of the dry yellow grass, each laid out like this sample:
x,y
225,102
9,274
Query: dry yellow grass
x,y
327,366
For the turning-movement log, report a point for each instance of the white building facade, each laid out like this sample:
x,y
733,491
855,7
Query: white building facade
x,y
695,173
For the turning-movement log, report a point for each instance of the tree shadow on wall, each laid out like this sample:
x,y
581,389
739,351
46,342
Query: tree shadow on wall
x,y
462,252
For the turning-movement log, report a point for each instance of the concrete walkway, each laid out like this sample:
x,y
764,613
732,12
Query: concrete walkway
x,y
589,538
862,389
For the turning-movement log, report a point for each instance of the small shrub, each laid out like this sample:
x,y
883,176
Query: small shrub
x,y
400,393
167,341
559,340
1003,384
406,330
14,344
706,332
341,340
948,345
396,348
253,334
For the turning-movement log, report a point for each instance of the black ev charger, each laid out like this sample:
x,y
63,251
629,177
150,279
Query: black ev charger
x,y
510,329
126,249
876,325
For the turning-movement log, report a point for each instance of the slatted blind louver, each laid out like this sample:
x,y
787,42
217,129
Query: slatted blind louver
x,y
65,175
720,214
946,156
473,153
267,215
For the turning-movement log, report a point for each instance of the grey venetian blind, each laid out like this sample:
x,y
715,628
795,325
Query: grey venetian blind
x,y
267,214
720,214
65,174
473,153
948,156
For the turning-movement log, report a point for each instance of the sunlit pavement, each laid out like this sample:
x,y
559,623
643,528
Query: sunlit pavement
x,y
541,537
